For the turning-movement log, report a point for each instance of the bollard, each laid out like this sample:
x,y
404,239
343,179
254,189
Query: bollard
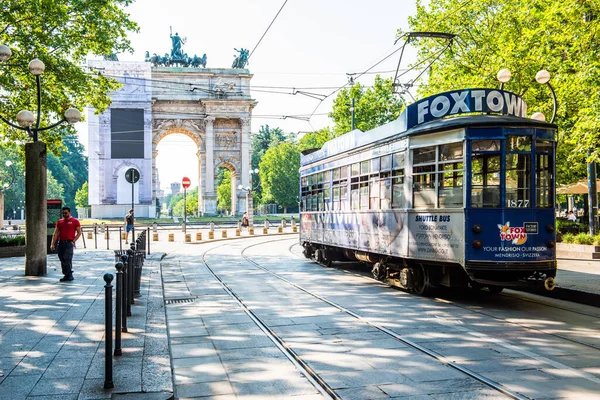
x,y
239,225
295,229
171,237
124,300
284,223
293,222
148,240
119,308
108,367
265,231
188,238
237,232
267,223
130,260
123,234
155,237
211,235
212,226
251,231
89,235
121,238
107,237
95,236
224,234
198,236
280,229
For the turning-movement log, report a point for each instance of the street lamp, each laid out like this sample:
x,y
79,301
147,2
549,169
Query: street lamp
x,y
35,171
249,189
5,186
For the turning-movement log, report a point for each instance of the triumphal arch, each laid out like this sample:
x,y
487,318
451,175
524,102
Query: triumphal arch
x,y
171,94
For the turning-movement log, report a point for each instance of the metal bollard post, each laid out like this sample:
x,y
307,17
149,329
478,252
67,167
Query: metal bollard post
x,y
108,366
148,240
83,238
107,233
121,238
130,278
124,300
119,309
95,236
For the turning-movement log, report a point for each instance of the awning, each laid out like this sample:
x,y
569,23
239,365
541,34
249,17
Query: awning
x,y
580,187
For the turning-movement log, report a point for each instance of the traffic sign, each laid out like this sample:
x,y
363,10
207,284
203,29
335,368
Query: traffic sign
x,y
185,182
132,175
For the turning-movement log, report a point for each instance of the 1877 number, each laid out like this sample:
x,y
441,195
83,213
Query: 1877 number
x,y
517,203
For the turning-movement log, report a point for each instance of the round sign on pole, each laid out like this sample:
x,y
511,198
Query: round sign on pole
x,y
185,182
132,175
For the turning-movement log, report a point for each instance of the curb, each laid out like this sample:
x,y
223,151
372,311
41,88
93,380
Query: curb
x,y
575,296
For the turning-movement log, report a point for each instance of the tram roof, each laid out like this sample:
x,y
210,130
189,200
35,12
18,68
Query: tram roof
x,y
357,138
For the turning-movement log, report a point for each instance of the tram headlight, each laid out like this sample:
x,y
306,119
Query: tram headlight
x,y
476,244
550,228
550,244
477,228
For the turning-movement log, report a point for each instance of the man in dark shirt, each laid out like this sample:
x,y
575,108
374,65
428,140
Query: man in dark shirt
x,y
67,231
128,225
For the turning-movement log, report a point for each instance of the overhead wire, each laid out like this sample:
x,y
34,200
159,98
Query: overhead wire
x,y
267,30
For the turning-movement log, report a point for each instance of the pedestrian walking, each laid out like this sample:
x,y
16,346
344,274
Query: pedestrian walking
x,y
68,230
128,224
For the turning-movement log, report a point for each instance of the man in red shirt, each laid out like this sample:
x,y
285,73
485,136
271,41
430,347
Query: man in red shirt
x,y
65,235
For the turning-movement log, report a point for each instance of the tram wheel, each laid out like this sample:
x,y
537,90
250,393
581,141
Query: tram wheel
x,y
476,286
421,285
307,252
494,289
325,258
378,271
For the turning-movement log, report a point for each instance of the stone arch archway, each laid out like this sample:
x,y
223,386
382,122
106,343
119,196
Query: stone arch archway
x,y
234,182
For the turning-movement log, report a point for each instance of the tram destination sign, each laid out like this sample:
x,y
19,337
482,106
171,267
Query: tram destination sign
x,y
465,101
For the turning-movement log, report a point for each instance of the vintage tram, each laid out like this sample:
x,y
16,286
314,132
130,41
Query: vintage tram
x,y
457,192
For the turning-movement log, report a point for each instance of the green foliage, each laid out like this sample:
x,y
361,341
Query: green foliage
x,y
267,137
9,240
81,197
315,140
279,174
373,107
523,36
597,240
568,238
584,238
224,191
62,34
191,203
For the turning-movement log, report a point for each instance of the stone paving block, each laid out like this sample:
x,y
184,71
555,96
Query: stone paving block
x,y
484,394
7,364
57,386
431,388
18,387
366,392
353,379
156,374
205,348
206,372
240,342
71,396
281,388
208,389
250,354
67,368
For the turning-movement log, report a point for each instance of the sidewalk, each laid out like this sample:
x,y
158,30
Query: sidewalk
x,y
52,333
577,281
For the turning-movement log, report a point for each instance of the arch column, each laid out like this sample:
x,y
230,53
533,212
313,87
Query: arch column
x,y
245,143
155,185
233,192
210,197
201,156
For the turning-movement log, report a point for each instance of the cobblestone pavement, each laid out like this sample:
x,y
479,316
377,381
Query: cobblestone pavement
x,y
539,348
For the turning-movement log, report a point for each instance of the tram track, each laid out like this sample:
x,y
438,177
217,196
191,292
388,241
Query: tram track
x,y
504,320
438,357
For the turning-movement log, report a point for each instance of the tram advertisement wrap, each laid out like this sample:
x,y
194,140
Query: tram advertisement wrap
x,y
381,232
436,236
513,236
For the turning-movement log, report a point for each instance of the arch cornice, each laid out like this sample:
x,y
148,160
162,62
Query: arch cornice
x,y
194,129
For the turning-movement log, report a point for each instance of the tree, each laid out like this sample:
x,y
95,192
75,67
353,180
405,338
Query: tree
x,y
191,203
81,197
523,36
62,34
373,107
279,175
54,190
261,142
224,192
315,140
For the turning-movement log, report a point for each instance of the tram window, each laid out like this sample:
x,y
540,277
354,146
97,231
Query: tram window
x,y
374,165
356,169
453,151
364,196
398,189
336,174
385,187
374,193
386,163
543,180
344,172
450,192
326,192
518,143
364,167
354,197
518,180
344,203
398,160
485,145
485,180
424,190
320,202
544,146
424,155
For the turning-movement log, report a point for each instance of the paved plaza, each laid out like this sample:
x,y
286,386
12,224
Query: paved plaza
x,y
189,338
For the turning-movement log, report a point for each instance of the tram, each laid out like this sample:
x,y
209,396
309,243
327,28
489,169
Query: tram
x,y
459,191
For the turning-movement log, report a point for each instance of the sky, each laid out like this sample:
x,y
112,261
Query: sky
x,y
311,44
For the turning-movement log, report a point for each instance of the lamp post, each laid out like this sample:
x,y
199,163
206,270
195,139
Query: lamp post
x,y
4,188
249,189
35,172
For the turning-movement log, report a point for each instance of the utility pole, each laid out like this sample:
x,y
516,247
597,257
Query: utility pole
x,y
351,79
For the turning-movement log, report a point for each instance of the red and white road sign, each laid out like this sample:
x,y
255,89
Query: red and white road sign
x,y
185,182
